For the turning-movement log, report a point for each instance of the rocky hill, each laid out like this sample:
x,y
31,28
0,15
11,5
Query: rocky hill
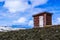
x,y
46,33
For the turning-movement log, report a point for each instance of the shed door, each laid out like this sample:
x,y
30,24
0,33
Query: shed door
x,y
40,21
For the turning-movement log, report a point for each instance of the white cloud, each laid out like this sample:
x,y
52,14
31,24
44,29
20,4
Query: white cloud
x,y
1,0
16,5
17,29
21,5
30,23
38,2
2,28
21,20
5,29
57,21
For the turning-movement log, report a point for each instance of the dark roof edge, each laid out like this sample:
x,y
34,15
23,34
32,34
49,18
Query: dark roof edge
x,y
42,13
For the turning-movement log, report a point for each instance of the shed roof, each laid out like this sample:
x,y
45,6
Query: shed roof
x,y
42,14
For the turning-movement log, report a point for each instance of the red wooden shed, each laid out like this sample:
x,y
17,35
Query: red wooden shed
x,y
42,19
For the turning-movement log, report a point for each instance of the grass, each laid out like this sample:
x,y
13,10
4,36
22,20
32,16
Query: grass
x,y
46,33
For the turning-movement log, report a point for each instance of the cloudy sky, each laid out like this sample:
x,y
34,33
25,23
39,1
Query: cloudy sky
x,y
19,12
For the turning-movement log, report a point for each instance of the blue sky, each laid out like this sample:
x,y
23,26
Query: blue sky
x,y
19,12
